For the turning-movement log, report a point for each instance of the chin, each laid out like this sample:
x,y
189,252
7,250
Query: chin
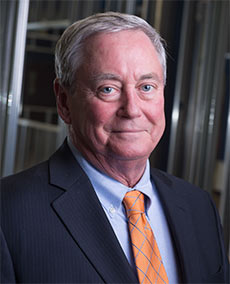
x,y
127,153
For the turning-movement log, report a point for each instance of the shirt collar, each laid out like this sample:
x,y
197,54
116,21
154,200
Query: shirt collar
x,y
110,191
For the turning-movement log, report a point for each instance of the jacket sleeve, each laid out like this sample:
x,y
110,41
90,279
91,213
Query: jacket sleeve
x,y
7,269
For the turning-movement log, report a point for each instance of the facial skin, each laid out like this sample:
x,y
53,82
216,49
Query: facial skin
x,y
116,115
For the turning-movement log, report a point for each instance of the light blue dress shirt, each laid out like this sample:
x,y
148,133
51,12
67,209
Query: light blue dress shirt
x,y
111,193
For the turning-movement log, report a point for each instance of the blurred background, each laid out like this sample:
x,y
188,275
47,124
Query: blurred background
x,y
196,143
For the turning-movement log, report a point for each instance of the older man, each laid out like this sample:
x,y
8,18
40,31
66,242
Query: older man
x,y
96,212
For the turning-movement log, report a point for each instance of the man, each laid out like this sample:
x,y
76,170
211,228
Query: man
x,y
67,219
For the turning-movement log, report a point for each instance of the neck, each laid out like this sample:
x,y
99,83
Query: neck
x,y
126,171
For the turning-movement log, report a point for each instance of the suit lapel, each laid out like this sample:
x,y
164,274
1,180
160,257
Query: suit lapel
x,y
179,218
80,210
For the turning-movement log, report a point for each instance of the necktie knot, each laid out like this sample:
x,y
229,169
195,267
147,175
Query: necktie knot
x,y
134,203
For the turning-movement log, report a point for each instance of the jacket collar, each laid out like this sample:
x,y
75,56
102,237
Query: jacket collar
x,y
80,211
178,214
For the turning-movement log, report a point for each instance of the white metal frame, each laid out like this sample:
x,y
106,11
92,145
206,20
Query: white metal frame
x,y
14,95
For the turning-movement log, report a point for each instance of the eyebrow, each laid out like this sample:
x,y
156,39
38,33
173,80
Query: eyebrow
x,y
110,76
150,76
105,76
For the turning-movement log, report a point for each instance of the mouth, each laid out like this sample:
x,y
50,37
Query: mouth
x,y
128,131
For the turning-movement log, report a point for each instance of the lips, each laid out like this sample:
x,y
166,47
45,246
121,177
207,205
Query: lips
x,y
127,131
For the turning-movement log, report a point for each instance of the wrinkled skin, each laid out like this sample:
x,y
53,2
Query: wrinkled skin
x,y
116,114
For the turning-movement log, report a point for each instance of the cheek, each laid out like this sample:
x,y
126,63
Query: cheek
x,y
156,112
95,118
97,121
97,114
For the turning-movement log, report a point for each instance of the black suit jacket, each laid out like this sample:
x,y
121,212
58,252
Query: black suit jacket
x,y
54,229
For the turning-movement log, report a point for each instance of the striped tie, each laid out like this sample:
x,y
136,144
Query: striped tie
x,y
149,265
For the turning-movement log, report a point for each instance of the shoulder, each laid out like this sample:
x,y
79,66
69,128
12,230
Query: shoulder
x,y
33,179
176,184
177,193
27,178
25,188
176,190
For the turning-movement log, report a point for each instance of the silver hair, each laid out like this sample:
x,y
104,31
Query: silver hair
x,y
69,48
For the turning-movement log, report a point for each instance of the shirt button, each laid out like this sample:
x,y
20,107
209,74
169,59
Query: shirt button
x,y
112,210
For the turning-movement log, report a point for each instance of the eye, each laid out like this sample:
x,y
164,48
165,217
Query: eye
x,y
108,93
146,88
107,90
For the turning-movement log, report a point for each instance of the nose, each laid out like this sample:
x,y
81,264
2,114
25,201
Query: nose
x,y
130,105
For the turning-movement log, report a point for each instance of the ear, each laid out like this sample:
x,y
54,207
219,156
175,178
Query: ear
x,y
62,101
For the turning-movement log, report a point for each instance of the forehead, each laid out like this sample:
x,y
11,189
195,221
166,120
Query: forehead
x,y
128,54
117,39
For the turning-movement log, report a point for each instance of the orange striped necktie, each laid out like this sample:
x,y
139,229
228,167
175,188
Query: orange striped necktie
x,y
149,265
